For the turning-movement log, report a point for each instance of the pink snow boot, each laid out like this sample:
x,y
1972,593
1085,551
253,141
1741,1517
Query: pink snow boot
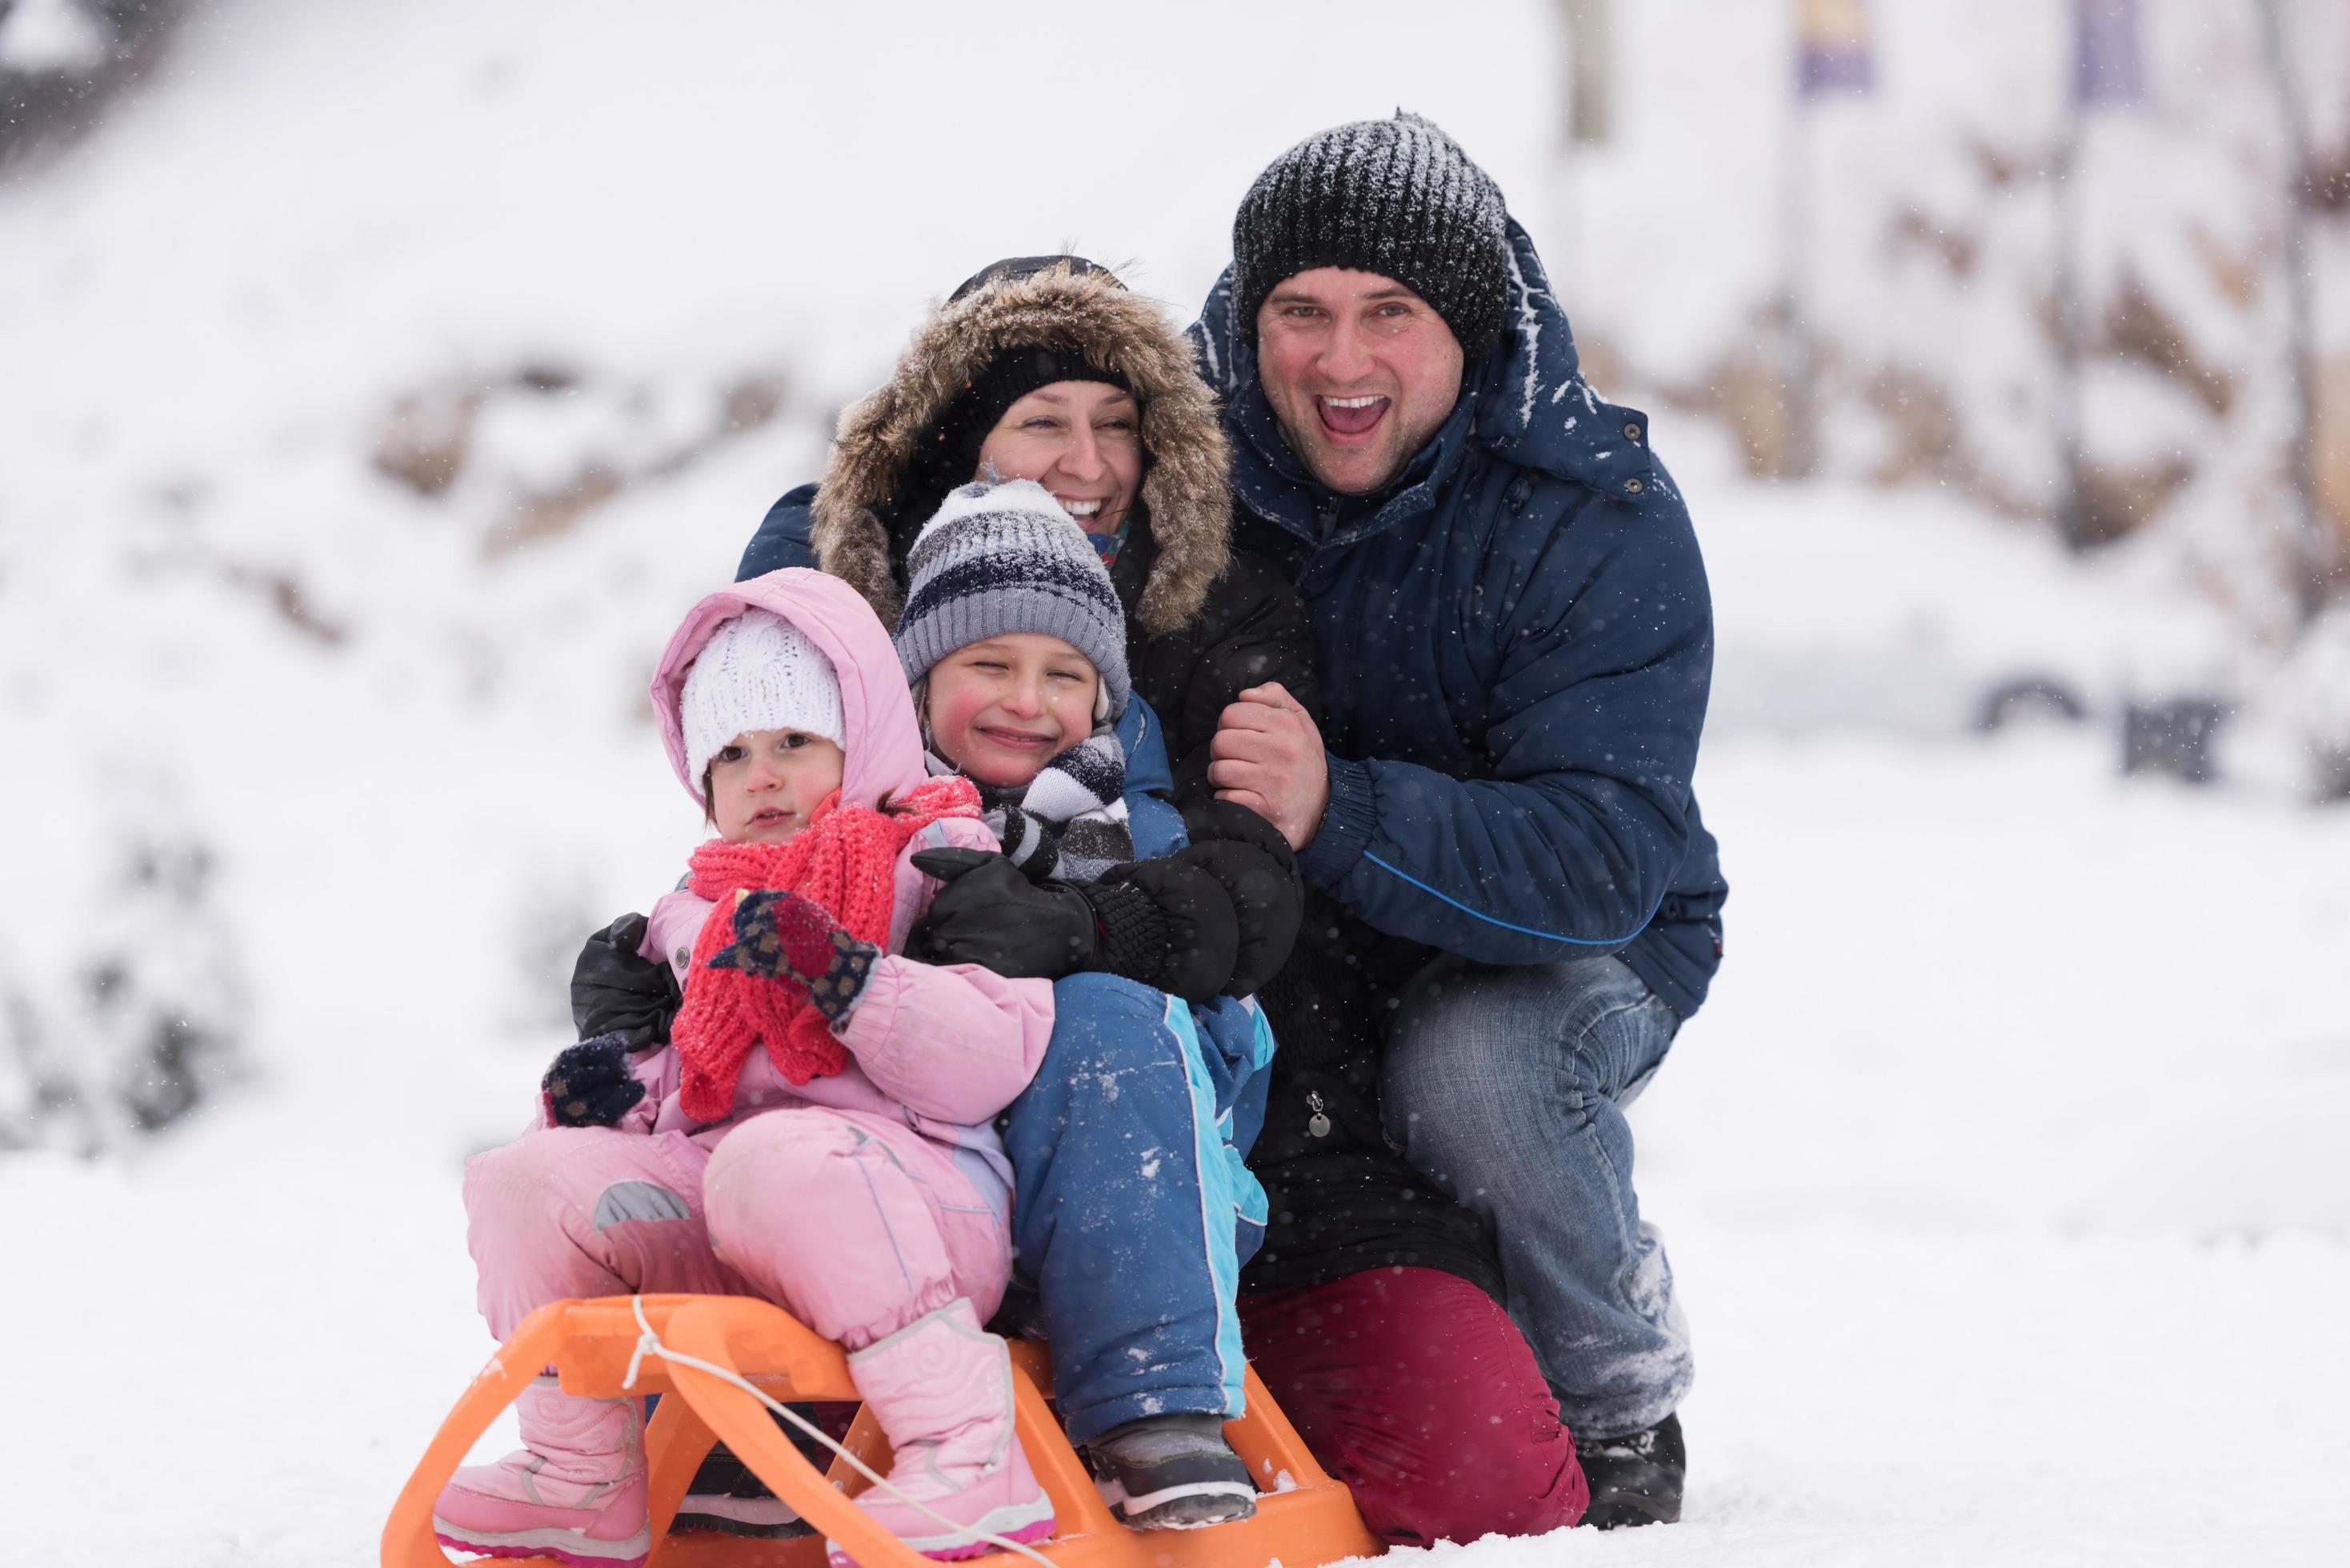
x,y
575,1492
942,1389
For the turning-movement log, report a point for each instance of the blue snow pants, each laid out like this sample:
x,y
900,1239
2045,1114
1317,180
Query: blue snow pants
x,y
1133,1207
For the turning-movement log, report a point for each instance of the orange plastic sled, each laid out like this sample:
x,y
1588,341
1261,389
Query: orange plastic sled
x,y
1302,1517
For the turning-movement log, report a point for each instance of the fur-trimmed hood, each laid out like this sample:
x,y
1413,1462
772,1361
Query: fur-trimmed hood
x,y
1185,501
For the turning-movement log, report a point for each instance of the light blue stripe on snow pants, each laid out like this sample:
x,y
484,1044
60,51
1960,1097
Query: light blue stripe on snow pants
x,y
1132,1207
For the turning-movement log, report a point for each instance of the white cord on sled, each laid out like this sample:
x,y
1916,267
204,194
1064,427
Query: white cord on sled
x,y
649,1344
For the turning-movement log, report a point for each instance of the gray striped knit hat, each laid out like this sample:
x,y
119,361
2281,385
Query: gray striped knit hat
x,y
1397,197
999,558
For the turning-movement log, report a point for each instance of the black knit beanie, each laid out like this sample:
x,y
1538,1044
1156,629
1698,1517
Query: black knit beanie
x,y
949,450
1397,197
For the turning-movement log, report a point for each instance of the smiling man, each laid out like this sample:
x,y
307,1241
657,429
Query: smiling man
x,y
1514,904
1361,373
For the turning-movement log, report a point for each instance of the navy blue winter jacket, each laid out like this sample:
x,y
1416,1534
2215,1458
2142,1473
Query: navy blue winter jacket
x,y
1516,642
1515,645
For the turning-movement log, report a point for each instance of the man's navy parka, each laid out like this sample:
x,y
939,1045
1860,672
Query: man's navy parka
x,y
1516,642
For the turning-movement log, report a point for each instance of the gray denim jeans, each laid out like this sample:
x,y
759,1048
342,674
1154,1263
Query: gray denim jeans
x,y
1506,1086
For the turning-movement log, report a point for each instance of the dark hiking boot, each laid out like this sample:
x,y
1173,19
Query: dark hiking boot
x,y
1170,1472
725,1497
1634,1480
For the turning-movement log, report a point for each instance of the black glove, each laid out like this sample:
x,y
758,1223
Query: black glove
x,y
990,914
1258,870
1223,819
614,992
590,1085
1164,923
1168,924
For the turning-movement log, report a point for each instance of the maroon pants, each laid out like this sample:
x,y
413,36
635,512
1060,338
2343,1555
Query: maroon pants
x,y
1415,1388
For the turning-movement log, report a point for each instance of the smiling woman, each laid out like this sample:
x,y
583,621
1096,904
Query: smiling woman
x,y
1048,369
1083,441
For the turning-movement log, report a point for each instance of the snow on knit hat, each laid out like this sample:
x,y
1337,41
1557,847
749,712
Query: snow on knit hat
x,y
757,672
1000,558
1397,197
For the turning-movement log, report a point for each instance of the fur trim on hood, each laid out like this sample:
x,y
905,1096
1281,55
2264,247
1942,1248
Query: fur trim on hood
x,y
1186,494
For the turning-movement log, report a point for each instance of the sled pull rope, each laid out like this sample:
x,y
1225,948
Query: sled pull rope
x,y
649,1344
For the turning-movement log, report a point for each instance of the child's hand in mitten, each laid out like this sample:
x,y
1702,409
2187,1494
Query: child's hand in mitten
x,y
989,914
590,1084
794,941
614,991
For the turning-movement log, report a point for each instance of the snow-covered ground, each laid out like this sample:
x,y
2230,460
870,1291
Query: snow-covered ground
x,y
2003,1174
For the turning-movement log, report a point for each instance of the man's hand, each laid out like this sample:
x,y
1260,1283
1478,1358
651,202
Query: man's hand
x,y
1267,756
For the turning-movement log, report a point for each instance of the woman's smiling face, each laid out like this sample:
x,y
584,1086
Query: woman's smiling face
x,y
1080,439
999,710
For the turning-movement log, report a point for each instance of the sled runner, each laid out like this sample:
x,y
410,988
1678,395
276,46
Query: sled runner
x,y
616,1346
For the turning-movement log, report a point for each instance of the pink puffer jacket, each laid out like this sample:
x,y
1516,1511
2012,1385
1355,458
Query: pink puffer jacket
x,y
942,1048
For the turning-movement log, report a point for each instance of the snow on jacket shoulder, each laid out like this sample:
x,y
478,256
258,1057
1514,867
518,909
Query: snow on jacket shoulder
x,y
941,1047
1203,622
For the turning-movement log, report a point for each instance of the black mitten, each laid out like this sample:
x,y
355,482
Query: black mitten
x,y
614,991
1223,819
590,1084
1258,870
1176,909
990,914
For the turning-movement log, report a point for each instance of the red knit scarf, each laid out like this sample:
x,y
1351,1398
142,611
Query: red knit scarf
x,y
845,860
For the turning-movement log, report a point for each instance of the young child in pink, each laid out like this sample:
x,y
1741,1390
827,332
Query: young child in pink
x,y
819,1133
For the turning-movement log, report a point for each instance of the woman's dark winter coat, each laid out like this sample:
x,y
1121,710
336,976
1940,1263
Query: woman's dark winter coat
x,y
1205,622
1516,641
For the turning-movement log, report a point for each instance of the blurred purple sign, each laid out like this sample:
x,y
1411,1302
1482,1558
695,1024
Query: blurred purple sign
x,y
1832,51
2107,68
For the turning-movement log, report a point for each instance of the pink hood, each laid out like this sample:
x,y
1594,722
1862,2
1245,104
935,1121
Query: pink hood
x,y
884,750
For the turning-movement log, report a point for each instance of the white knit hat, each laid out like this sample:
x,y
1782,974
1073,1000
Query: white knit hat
x,y
757,672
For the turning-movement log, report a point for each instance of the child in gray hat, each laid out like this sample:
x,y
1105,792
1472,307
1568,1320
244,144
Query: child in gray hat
x,y
1014,642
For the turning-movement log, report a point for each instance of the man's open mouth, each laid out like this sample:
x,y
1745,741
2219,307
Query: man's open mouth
x,y
1350,416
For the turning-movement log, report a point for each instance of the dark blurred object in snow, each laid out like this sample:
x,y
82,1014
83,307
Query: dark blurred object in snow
x,y
2315,693
62,62
2026,698
147,1022
2172,736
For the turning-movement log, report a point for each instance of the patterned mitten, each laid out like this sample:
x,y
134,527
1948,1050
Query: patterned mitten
x,y
786,938
590,1084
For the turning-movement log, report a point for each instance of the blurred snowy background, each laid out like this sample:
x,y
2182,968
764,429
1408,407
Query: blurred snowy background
x,y
379,383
